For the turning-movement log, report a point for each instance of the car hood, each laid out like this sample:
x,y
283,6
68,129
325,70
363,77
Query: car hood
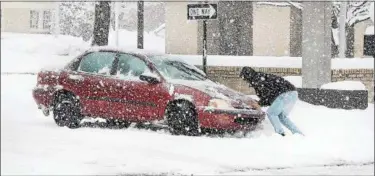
x,y
214,90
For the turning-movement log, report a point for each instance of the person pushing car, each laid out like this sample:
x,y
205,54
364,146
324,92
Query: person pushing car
x,y
277,93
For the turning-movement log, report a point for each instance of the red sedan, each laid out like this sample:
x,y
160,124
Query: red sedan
x,y
125,86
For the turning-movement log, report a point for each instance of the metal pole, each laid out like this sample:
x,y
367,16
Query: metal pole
x,y
342,25
117,13
140,24
57,19
205,46
316,43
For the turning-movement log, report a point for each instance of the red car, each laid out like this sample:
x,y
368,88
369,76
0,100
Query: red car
x,y
128,86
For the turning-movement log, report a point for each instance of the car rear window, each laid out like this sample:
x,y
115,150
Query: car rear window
x,y
97,62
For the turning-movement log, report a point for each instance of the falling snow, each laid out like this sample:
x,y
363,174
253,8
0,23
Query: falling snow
x,y
32,142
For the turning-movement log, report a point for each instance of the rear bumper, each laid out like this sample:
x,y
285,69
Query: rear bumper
x,y
43,98
229,119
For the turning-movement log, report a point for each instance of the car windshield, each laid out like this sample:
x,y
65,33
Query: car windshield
x,y
173,69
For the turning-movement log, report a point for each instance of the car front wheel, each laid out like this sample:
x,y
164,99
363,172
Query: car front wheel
x,y
182,119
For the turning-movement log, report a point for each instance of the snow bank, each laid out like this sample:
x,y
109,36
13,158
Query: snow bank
x,y
23,53
33,144
32,52
344,85
295,80
369,30
274,62
339,85
40,44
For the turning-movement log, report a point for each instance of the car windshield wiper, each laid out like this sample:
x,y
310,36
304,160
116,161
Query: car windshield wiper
x,y
187,69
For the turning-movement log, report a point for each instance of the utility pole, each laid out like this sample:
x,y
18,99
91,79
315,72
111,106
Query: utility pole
x,y
316,43
117,13
140,24
57,19
342,25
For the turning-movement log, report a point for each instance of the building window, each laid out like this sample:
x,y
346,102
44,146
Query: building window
x,y
34,19
47,19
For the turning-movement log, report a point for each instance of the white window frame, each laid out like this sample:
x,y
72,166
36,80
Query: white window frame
x,y
41,21
34,20
47,19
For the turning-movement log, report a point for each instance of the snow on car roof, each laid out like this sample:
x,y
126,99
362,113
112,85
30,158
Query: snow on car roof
x,y
150,54
126,50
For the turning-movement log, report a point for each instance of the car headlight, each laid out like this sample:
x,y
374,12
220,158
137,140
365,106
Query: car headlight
x,y
219,103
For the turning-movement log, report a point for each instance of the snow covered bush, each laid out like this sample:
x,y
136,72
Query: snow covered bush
x,y
77,19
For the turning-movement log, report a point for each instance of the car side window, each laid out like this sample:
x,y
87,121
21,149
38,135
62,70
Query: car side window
x,y
97,63
130,66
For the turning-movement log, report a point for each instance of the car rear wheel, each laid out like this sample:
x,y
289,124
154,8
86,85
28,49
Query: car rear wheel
x,y
66,111
182,119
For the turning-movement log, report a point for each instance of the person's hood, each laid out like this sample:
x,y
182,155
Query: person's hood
x,y
247,73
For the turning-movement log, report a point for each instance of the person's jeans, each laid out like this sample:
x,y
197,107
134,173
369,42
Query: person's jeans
x,y
279,110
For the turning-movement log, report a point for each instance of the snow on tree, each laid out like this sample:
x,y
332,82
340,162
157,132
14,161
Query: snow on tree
x,y
357,11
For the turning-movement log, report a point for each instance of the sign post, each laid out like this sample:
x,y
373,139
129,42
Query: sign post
x,y
203,12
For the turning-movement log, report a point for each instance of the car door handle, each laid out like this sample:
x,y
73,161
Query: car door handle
x,y
76,78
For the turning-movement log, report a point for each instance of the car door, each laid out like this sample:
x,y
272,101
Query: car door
x,y
137,100
90,82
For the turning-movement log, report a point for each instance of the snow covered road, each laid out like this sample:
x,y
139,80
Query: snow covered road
x,y
33,144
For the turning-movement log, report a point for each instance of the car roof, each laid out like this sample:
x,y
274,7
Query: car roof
x,y
125,50
150,54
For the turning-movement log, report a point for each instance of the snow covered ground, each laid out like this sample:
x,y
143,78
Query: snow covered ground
x,y
33,144
336,142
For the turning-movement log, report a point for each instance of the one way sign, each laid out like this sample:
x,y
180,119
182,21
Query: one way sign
x,y
202,11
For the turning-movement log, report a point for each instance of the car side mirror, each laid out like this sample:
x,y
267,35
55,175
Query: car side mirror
x,y
150,78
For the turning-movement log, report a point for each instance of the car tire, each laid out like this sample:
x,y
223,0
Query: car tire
x,y
117,123
66,111
182,119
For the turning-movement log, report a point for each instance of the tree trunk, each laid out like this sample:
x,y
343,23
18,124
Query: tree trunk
x,y
349,30
140,24
101,25
334,46
295,43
